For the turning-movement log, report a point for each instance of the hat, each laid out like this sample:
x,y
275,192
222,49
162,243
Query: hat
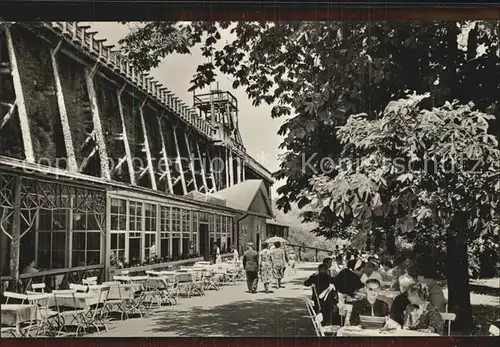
x,y
250,244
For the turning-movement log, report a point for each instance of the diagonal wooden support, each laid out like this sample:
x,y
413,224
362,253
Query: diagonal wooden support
x,y
100,139
164,156
152,175
212,176
202,167
63,115
85,161
21,105
94,69
9,113
126,144
231,169
191,161
179,161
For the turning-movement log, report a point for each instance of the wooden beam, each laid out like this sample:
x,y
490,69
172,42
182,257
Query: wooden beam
x,y
85,161
15,245
243,169
152,175
63,115
226,166
212,176
100,140
9,114
191,162
179,162
238,170
21,105
165,156
126,144
202,168
231,169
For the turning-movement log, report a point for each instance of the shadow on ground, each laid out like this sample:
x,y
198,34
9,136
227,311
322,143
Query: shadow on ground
x,y
262,317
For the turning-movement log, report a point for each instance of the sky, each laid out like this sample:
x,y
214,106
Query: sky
x,y
258,130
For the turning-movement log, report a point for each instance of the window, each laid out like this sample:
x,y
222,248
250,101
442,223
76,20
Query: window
x,y
165,230
135,232
118,215
211,230
194,230
135,211
86,240
186,231
118,227
52,225
176,232
150,230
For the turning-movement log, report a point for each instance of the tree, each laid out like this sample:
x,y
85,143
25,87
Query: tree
x,y
316,74
442,169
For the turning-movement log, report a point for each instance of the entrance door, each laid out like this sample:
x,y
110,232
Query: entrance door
x,y
204,242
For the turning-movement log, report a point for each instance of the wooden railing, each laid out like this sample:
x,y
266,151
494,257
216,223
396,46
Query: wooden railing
x,y
300,248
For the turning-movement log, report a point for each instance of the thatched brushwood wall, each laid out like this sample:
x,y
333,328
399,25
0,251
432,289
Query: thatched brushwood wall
x,y
107,101
37,80
155,145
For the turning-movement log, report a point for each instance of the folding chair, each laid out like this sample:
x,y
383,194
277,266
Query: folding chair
x,y
90,280
448,318
79,287
97,312
77,314
38,287
316,319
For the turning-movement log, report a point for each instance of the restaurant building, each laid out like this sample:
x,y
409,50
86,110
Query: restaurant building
x,y
100,164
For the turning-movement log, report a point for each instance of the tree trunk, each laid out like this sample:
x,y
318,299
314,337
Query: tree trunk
x,y
390,241
458,274
16,238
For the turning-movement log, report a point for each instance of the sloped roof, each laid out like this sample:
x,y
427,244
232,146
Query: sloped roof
x,y
242,195
276,222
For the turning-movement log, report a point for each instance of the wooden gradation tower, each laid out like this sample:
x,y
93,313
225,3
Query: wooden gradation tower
x,y
220,109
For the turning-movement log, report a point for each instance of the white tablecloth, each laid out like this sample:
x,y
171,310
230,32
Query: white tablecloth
x,y
14,314
356,331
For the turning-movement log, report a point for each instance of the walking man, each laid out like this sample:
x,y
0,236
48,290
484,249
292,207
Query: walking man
x,y
251,265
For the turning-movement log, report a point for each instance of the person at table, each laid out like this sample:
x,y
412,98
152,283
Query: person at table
x,y
218,258
279,262
370,305
328,263
347,281
30,268
401,301
236,256
327,301
421,315
265,266
369,272
436,295
337,266
251,266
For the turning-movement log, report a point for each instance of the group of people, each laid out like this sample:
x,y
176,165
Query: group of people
x,y
268,264
358,280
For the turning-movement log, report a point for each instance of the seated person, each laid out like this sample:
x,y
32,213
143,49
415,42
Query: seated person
x,y
436,295
323,282
359,267
347,281
369,272
385,268
30,268
401,301
328,263
337,266
371,305
420,314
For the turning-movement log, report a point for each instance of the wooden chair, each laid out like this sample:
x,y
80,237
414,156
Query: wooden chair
x,y
38,287
89,280
79,287
316,319
448,318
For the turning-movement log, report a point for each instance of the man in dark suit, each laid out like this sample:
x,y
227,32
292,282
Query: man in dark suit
x,y
347,281
371,305
251,265
327,305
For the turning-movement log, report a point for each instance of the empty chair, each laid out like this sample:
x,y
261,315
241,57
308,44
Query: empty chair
x,y
448,318
10,296
79,288
38,287
90,280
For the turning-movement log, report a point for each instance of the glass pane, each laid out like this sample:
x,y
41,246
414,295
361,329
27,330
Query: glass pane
x,y
58,259
121,239
164,247
185,246
79,241
93,257
115,223
114,241
176,250
79,221
93,241
59,220
122,223
45,220
44,241
92,222
78,258
43,259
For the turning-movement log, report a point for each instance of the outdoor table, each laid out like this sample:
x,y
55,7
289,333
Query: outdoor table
x,y
74,300
183,277
15,314
357,331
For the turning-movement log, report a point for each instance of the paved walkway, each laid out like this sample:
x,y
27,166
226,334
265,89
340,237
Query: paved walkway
x,y
231,311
